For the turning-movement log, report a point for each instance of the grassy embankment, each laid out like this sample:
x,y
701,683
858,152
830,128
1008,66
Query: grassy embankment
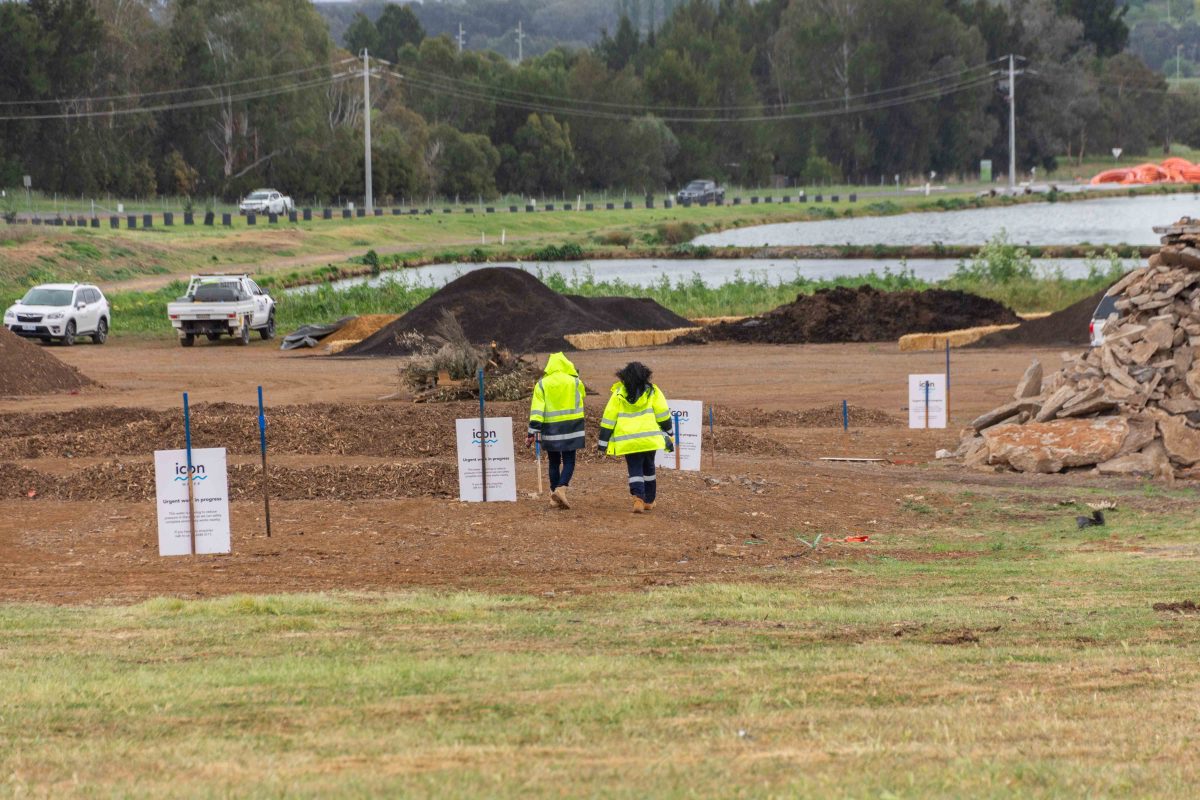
x,y
994,651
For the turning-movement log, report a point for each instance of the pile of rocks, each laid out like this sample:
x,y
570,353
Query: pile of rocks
x,y
1130,406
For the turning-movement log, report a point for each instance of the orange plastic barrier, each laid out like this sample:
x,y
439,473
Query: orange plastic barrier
x,y
1171,170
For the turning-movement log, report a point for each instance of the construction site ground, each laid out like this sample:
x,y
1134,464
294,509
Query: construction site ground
x,y
364,491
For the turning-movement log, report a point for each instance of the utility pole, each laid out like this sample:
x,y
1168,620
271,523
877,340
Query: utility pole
x,y
1012,124
370,199
1178,55
520,43
460,38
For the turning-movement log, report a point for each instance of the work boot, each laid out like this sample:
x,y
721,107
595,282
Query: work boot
x,y
639,505
648,507
559,496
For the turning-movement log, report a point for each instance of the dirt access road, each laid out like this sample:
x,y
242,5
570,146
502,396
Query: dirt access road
x,y
364,491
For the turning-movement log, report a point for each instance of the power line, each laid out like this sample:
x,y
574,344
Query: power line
x,y
209,101
979,71
634,111
164,92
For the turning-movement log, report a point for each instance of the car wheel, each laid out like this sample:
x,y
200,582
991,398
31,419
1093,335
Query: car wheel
x,y
244,338
68,338
101,334
187,340
268,332
213,336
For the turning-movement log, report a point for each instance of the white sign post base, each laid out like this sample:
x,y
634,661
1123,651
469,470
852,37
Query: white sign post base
x,y
501,464
210,496
690,414
927,388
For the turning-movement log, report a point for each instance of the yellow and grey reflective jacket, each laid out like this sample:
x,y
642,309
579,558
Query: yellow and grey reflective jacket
x,y
634,426
556,411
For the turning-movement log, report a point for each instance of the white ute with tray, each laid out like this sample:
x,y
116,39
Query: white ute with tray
x,y
222,305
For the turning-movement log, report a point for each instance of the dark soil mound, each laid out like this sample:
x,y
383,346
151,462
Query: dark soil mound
x,y
517,311
864,315
1066,327
25,368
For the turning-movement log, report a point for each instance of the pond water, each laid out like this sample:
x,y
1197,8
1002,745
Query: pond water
x,y
1110,220
713,272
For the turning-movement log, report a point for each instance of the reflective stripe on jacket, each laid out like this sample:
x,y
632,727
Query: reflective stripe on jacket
x,y
634,426
556,411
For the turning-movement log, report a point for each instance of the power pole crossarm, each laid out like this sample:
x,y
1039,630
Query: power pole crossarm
x,y
370,198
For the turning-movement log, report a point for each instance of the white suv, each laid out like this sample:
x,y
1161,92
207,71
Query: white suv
x,y
62,311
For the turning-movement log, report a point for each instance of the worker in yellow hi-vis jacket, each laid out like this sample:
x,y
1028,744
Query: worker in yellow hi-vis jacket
x,y
556,416
636,424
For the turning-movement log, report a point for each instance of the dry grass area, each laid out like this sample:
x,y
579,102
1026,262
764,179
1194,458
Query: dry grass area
x,y
989,649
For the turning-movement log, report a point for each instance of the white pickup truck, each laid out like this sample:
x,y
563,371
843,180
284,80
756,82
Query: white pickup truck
x,y
266,201
216,305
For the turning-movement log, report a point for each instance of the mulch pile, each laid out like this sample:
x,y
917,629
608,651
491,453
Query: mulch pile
x,y
517,311
1067,327
25,368
864,314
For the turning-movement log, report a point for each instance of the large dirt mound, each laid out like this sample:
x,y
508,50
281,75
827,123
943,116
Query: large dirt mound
x,y
27,369
1066,327
864,314
517,311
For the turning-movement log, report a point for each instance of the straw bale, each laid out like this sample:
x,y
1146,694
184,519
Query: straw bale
x,y
959,338
359,328
607,340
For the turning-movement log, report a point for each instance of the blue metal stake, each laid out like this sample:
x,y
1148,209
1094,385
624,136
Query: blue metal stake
x,y
947,380
482,439
927,383
845,417
676,418
262,443
712,437
187,439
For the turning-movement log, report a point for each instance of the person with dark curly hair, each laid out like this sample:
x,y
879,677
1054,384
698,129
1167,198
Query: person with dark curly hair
x,y
636,424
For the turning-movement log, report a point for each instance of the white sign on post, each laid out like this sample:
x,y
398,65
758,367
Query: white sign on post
x,y
923,414
210,497
690,414
501,465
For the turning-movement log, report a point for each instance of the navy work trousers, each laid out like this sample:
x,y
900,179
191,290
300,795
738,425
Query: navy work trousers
x,y
641,475
562,467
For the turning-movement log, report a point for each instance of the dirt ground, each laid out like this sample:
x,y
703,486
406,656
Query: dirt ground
x,y
364,491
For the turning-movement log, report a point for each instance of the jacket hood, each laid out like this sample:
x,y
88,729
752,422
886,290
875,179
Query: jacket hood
x,y
557,362
618,388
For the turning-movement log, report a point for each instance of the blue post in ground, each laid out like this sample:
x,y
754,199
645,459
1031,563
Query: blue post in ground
x,y
927,383
845,417
482,440
712,438
262,443
187,443
677,443
947,380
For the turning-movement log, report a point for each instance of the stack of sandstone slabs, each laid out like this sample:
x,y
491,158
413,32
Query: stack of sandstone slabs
x,y
1128,407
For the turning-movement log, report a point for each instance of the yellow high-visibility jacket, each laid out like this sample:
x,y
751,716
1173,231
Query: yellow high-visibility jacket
x,y
637,425
556,411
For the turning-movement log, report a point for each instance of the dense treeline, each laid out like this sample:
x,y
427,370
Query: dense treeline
x,y
807,90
